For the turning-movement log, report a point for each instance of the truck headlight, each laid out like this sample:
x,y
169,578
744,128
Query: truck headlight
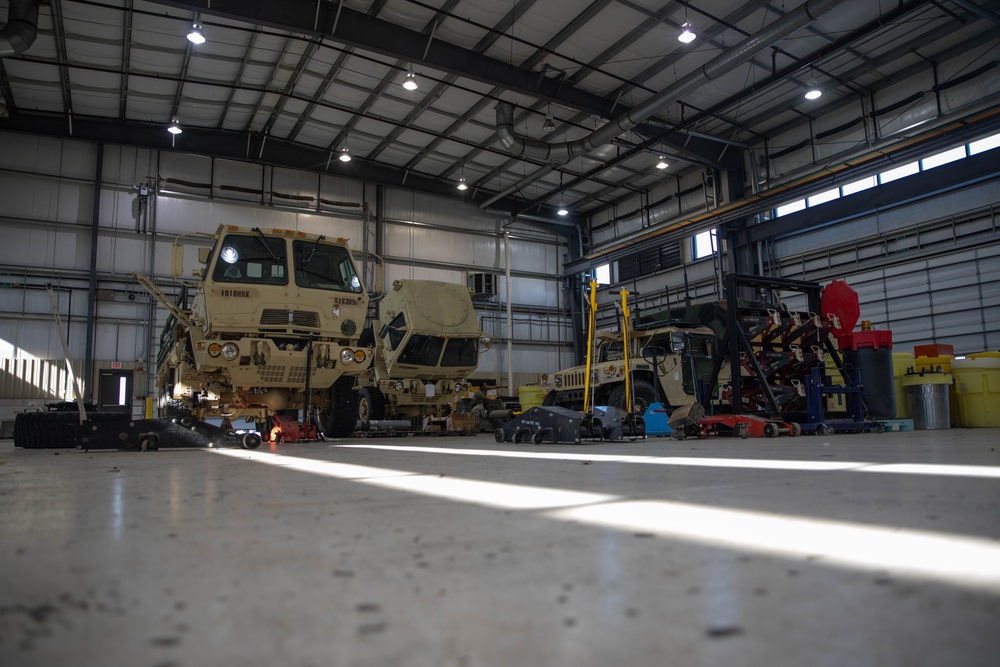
x,y
346,356
230,351
558,381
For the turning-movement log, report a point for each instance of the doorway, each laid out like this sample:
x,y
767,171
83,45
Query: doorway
x,y
114,391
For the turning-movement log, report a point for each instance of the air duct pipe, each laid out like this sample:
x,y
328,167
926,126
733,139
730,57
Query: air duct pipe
x,y
562,153
21,29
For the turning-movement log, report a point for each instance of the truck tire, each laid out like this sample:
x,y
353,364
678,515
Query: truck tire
x,y
643,392
342,416
371,404
24,430
55,429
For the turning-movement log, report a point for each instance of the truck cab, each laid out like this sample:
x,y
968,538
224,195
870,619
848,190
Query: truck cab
x,y
276,313
427,343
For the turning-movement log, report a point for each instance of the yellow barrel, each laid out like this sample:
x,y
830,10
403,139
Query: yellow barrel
x,y
901,362
977,388
530,396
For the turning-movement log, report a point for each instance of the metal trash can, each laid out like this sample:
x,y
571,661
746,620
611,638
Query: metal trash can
x,y
929,395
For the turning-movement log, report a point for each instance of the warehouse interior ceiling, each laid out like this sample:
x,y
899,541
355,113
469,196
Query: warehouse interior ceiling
x,y
535,105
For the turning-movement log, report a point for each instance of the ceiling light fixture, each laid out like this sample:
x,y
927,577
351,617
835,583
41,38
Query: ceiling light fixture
x,y
175,126
549,125
662,164
562,209
687,34
462,184
196,36
410,82
345,155
813,92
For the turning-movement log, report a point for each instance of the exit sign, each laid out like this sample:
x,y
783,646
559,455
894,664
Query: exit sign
x,y
116,364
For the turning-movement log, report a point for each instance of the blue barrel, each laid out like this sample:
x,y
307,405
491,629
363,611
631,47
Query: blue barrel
x,y
878,383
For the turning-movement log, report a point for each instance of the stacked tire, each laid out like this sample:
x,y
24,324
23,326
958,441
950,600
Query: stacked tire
x,y
54,429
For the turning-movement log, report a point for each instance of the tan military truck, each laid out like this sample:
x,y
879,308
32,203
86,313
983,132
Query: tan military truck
x,y
427,342
271,327
667,361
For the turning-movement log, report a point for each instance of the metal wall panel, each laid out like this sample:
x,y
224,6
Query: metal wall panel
x,y
32,378
50,237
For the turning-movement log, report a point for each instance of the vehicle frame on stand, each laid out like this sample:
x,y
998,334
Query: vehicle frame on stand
x,y
778,361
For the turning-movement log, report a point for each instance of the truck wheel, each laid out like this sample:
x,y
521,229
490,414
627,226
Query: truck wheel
x,y
342,416
643,396
371,404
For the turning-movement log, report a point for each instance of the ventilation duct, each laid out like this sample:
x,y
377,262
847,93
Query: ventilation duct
x,y
21,29
562,153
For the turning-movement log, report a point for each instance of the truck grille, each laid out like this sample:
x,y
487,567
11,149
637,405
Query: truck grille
x,y
274,373
272,317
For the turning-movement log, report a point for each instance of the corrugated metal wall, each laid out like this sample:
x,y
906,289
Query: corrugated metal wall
x,y
47,186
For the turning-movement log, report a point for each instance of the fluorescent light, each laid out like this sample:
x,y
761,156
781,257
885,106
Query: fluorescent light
x,y
687,35
196,36
462,185
345,155
410,82
175,126
662,164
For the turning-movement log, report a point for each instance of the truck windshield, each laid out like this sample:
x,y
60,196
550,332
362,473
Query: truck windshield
x,y
461,352
248,259
324,266
422,350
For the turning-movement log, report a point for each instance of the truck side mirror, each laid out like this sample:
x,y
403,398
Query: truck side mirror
x,y
677,342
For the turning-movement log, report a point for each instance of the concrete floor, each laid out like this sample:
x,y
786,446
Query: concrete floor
x,y
455,551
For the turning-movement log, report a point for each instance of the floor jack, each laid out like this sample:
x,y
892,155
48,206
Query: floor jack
x,y
745,426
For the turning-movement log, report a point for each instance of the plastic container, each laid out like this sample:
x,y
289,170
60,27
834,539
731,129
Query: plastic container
x,y
929,396
934,350
901,361
530,396
977,390
870,352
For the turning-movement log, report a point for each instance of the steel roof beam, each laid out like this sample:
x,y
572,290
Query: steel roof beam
x,y
359,30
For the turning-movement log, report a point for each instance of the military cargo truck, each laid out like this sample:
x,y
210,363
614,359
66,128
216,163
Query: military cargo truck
x,y
667,362
427,342
271,327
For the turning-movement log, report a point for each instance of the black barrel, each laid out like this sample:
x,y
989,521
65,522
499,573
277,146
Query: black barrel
x,y
878,392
